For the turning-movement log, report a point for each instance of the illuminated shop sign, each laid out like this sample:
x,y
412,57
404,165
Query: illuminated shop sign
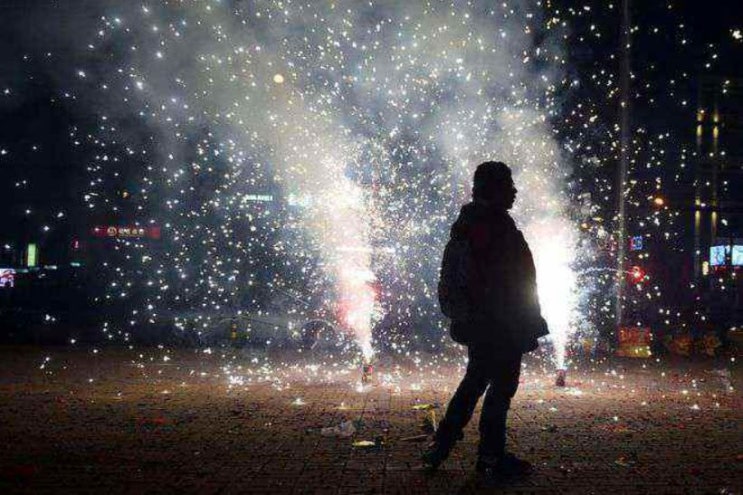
x,y
126,232
32,255
258,198
7,278
718,255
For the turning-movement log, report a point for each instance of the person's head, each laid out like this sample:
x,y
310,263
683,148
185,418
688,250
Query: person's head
x,y
493,185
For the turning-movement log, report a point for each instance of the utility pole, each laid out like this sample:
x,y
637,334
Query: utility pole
x,y
625,38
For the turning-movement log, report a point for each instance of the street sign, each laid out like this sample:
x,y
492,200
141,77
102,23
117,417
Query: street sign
x,y
635,243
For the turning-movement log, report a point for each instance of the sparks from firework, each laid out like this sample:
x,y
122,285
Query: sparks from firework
x,y
554,244
372,123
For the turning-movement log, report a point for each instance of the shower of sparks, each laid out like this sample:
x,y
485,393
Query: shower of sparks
x,y
303,161
361,125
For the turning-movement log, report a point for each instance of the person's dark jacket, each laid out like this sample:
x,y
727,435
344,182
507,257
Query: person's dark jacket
x,y
497,305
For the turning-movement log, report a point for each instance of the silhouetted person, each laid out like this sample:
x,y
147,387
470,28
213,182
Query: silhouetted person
x,y
488,289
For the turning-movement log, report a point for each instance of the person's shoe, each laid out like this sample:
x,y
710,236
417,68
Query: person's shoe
x,y
435,454
505,466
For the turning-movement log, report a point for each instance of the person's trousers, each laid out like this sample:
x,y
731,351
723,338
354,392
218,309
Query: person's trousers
x,y
499,374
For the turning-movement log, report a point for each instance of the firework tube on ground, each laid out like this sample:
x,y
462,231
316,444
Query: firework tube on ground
x,y
367,369
561,375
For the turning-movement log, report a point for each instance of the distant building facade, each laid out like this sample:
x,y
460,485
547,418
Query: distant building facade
x,y
718,196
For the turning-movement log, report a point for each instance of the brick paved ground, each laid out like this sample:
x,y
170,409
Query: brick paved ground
x,y
198,423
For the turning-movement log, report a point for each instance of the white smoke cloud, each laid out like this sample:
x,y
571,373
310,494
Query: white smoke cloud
x,y
374,115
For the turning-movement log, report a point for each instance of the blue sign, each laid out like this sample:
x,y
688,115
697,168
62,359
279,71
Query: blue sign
x,y
635,243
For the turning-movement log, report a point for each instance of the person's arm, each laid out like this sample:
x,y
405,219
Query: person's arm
x,y
453,280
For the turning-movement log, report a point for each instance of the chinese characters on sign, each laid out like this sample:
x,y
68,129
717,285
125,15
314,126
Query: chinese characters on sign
x,y
127,232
